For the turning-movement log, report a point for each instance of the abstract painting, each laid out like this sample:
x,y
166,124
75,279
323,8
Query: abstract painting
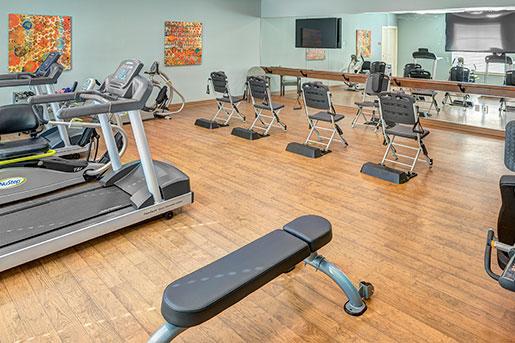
x,y
315,54
363,43
183,43
32,37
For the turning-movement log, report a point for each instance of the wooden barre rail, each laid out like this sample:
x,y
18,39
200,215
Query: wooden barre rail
x,y
446,86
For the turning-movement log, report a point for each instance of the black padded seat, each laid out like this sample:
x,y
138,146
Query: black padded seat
x,y
23,148
367,104
201,295
405,131
18,118
275,107
235,99
326,116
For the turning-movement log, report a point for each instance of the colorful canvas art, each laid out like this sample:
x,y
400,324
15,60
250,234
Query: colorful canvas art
x,y
32,37
315,54
363,43
183,43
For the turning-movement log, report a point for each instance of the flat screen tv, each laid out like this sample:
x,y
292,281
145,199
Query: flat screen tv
x,y
480,31
318,33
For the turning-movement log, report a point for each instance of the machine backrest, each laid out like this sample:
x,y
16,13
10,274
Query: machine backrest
x,y
419,74
377,67
219,81
509,146
317,95
510,78
19,118
258,86
376,83
459,74
409,67
398,108
365,67
423,53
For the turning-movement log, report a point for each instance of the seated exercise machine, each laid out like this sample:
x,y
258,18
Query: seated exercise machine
x,y
259,90
375,85
220,85
400,119
67,142
459,73
354,67
208,291
317,95
505,106
415,70
164,98
129,194
505,243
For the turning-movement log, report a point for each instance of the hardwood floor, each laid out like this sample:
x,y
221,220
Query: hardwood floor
x,y
421,245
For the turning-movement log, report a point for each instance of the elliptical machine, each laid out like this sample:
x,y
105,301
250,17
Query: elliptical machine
x,y
165,93
505,243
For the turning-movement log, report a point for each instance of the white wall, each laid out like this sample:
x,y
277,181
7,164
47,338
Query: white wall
x,y
286,8
108,31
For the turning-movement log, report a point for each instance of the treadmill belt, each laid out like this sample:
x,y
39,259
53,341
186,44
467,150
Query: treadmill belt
x,y
37,220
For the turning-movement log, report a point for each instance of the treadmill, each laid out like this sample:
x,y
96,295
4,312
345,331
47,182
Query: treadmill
x,y
127,195
67,141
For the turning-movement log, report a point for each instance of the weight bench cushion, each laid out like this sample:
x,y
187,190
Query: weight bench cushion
x,y
326,116
405,131
201,295
235,99
23,148
267,107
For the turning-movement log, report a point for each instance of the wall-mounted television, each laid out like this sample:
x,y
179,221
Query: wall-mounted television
x,y
318,33
481,31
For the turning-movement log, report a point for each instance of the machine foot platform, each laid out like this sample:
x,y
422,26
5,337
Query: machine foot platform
x,y
208,124
247,134
386,173
306,150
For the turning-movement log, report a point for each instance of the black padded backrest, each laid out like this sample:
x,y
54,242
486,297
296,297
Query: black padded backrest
x,y
316,95
376,83
219,80
20,118
510,78
423,53
509,146
377,67
258,87
459,74
365,66
419,74
409,67
398,108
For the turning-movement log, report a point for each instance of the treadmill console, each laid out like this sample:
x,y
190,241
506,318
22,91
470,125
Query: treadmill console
x,y
124,75
51,59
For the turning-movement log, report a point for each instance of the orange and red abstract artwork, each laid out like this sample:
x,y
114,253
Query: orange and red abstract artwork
x,y
32,37
183,43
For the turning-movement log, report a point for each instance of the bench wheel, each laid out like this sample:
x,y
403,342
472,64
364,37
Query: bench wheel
x,y
168,215
366,290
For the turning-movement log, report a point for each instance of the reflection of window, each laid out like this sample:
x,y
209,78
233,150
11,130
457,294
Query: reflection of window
x,y
476,61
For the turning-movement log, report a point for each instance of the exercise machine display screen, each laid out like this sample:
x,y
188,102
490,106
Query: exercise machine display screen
x,y
52,58
126,72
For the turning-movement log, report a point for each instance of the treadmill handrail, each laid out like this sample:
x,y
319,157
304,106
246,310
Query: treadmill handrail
x,y
29,81
118,106
50,98
16,76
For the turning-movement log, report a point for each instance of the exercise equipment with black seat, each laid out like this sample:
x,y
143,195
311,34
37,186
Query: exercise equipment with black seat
x,y
220,85
165,89
130,193
261,97
376,84
400,119
317,95
208,291
65,141
459,73
504,243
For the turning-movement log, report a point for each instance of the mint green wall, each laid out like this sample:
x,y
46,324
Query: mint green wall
x,y
107,31
278,41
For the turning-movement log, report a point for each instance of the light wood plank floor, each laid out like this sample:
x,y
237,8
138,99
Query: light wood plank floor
x,y
420,244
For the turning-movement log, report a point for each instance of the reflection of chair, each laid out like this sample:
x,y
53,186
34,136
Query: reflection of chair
x,y
259,90
458,74
375,84
220,86
317,96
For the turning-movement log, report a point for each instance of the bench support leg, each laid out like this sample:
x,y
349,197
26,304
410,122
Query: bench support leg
x,y
355,306
165,333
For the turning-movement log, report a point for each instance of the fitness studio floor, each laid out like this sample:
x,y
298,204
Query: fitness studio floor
x,y
421,244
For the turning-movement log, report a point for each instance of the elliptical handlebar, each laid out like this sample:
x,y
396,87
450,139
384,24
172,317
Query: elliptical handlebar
x,y
507,277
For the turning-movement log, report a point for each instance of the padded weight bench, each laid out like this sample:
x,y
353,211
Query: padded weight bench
x,y
201,295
